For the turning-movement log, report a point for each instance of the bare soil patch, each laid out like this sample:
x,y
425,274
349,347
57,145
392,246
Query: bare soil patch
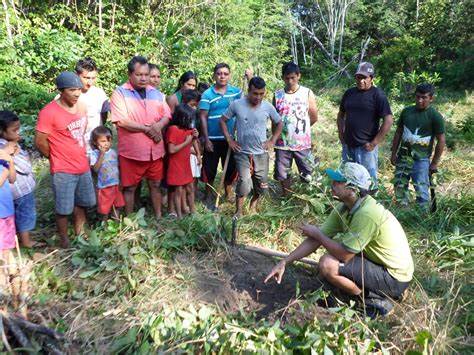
x,y
233,281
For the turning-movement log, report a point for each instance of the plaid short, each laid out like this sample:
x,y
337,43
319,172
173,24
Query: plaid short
x,y
72,190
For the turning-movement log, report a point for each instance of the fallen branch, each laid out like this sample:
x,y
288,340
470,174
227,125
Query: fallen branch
x,y
20,331
278,254
36,328
18,334
4,336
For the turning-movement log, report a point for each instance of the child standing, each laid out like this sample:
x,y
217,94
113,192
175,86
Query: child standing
x,y
192,98
180,136
7,211
104,162
24,186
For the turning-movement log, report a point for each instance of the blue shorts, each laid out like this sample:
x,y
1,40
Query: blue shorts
x,y
73,190
25,213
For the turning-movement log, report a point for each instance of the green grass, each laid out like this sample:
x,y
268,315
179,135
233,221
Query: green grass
x,y
127,286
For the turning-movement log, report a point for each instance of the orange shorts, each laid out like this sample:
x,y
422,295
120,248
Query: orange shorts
x,y
108,197
133,171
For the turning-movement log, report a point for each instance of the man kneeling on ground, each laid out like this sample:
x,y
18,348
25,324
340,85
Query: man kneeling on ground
x,y
372,259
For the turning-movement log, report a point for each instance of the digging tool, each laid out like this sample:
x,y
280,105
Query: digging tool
x,y
432,192
235,230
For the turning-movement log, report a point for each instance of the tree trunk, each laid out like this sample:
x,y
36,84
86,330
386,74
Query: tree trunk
x,y
101,29
112,21
303,47
7,22
322,48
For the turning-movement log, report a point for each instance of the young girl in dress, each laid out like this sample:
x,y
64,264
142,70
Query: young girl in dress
x,y
180,136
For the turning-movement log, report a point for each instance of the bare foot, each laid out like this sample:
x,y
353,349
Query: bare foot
x,y
25,240
64,242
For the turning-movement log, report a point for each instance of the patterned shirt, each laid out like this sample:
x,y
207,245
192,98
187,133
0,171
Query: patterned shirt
x,y
294,111
216,104
25,179
108,174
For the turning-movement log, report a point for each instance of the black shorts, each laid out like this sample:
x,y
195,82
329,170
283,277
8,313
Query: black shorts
x,y
210,163
374,277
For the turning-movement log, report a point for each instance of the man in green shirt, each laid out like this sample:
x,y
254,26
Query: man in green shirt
x,y
367,247
417,128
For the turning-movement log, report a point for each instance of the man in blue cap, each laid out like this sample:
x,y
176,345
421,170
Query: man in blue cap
x,y
367,250
60,137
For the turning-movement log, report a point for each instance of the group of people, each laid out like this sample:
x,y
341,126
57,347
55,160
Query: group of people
x,y
172,141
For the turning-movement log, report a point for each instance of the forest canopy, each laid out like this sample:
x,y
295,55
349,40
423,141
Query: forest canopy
x,y
408,41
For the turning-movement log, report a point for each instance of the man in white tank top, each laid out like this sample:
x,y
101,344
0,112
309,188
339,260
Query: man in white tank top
x,y
296,105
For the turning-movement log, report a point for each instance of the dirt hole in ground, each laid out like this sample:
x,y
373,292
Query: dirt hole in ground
x,y
234,281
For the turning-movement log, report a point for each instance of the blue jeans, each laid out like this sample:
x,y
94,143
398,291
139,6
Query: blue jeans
x,y
370,160
418,171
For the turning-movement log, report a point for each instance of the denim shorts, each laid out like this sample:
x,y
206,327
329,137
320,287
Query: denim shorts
x,y
25,213
253,172
72,190
284,159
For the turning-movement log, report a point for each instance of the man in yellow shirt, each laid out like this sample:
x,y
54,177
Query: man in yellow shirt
x,y
372,253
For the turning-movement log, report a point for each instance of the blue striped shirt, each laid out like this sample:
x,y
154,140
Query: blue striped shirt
x,y
216,104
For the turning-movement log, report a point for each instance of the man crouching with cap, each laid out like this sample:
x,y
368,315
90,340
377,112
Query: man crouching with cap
x,y
372,259
60,137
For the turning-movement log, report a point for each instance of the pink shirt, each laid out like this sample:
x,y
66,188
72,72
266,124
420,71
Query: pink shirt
x,y
126,103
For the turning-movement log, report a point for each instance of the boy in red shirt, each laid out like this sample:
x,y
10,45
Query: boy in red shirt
x,y
60,137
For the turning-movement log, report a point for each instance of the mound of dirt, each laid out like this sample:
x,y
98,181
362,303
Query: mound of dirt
x,y
234,281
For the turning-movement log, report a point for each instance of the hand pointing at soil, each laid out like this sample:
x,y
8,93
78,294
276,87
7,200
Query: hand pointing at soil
x,y
277,272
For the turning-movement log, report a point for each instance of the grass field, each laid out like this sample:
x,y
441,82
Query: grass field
x,y
138,286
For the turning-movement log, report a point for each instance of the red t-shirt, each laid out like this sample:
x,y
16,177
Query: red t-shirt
x,y
67,149
179,165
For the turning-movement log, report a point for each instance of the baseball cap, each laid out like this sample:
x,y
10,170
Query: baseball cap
x,y
68,79
366,69
352,173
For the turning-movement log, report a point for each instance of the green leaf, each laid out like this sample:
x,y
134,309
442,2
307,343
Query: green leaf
x,y
271,335
93,239
88,273
77,261
140,213
423,337
128,222
123,250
